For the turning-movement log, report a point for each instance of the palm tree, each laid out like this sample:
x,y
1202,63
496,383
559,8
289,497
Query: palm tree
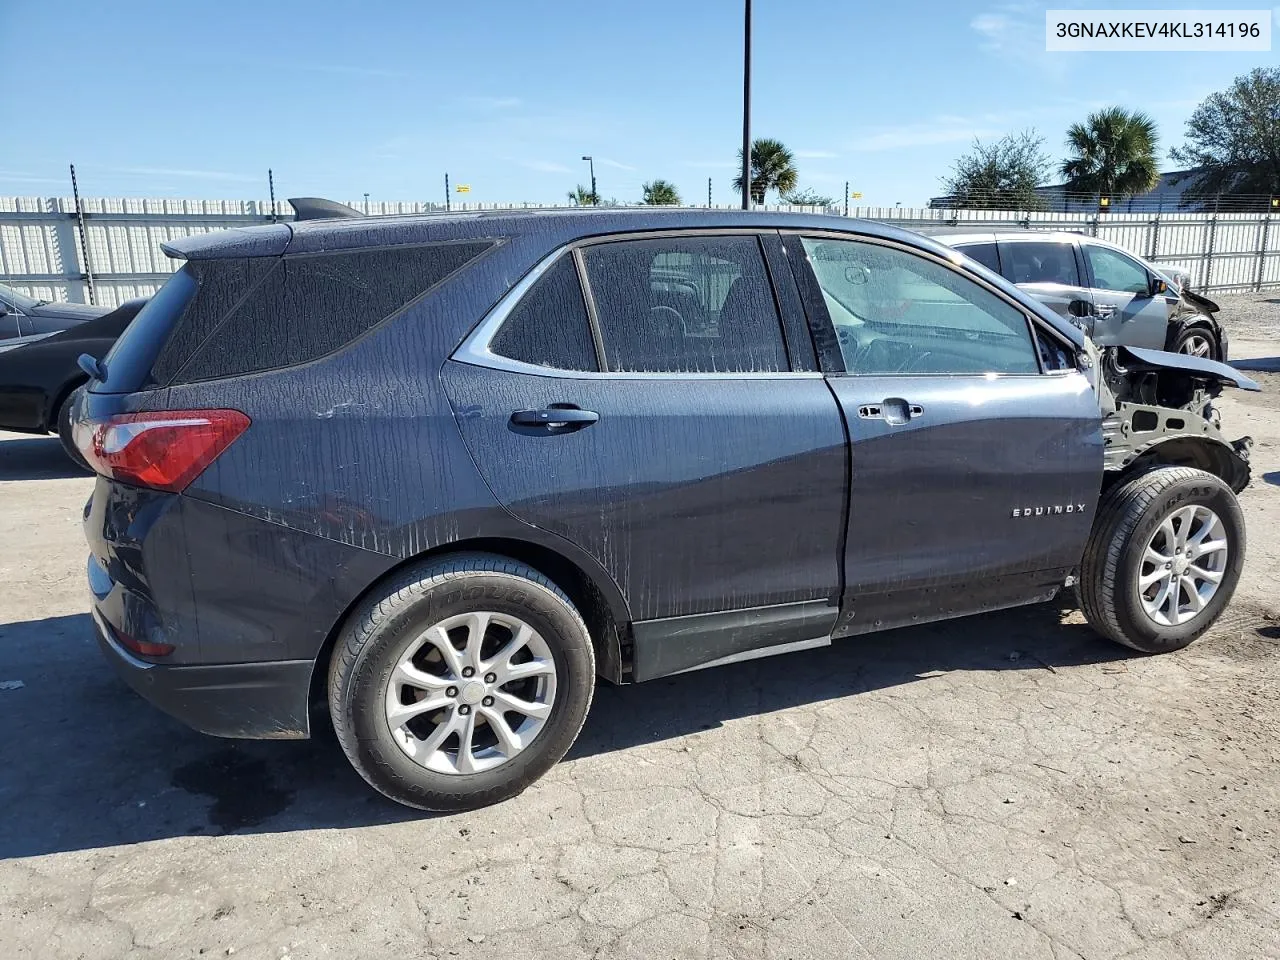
x,y
772,168
583,197
1115,154
661,193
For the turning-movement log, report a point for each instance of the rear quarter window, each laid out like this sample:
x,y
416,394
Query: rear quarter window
x,y
302,308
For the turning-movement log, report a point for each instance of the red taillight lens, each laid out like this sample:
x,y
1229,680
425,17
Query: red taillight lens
x,y
144,647
163,450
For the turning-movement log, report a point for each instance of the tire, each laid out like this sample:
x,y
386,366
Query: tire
x,y
1131,518
1198,341
399,618
64,431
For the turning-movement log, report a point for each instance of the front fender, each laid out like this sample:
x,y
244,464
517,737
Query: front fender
x,y
1140,358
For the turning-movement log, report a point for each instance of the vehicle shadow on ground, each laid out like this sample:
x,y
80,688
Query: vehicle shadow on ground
x,y
86,763
1257,364
36,458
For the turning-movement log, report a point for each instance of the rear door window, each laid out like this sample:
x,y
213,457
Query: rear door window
x,y
686,305
985,253
1038,261
549,327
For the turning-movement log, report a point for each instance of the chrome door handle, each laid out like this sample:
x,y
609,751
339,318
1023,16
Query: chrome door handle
x,y
893,410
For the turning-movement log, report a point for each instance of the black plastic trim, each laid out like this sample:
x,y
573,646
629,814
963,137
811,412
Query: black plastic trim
x,y
667,646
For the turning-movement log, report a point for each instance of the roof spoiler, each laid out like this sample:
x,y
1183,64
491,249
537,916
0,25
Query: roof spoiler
x,y
318,208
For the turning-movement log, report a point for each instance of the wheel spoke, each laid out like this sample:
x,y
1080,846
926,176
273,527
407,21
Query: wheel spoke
x,y
1211,546
1202,573
1155,556
398,714
519,640
466,762
1183,526
539,711
1156,606
511,672
1147,579
508,740
1194,600
448,652
439,735
409,675
477,627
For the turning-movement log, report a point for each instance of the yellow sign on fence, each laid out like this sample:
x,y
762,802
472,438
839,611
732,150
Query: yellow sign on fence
x,y
463,188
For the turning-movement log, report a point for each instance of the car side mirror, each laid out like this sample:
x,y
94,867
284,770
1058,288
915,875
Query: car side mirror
x,y
4,309
1158,287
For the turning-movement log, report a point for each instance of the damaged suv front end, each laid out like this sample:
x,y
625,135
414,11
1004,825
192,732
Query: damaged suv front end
x,y
1158,408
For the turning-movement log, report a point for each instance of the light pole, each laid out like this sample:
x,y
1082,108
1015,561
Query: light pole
x,y
595,200
746,108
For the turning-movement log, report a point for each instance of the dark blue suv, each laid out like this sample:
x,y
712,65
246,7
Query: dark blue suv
x,y
439,473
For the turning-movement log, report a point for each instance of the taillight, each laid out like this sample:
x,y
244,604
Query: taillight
x,y
163,449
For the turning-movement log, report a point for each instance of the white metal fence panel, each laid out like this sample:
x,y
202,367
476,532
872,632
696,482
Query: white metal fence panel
x,y
42,251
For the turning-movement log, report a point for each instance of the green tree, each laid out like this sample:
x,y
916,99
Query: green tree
x,y
773,167
1233,140
1113,154
661,193
806,198
1000,176
583,197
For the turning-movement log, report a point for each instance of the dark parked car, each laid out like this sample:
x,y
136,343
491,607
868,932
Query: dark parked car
x,y
440,472
23,316
1115,297
38,373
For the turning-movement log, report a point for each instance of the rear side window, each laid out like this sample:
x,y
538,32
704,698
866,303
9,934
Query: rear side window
x,y
686,305
131,357
1031,261
549,327
305,307
984,253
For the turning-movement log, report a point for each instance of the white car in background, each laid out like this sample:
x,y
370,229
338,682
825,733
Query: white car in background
x,y
1116,298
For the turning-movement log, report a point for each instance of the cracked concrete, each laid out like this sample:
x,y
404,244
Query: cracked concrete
x,y
1005,786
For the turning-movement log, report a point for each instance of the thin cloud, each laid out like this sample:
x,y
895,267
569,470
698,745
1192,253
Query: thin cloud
x,y
1015,32
816,155
606,162
711,164
544,166
190,174
16,177
918,135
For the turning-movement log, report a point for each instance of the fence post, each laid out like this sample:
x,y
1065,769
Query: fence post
x,y
1262,252
1154,245
1208,257
84,238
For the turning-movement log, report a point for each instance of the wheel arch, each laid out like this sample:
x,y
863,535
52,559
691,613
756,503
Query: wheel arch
x,y
1203,453
597,599
1179,325
59,396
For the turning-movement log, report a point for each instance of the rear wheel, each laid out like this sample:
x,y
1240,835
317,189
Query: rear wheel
x,y
1163,559
461,683
1198,342
64,430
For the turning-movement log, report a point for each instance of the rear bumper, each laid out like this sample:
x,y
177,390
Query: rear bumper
x,y
255,701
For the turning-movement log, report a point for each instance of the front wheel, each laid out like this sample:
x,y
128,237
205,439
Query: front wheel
x,y
461,682
1163,559
1198,342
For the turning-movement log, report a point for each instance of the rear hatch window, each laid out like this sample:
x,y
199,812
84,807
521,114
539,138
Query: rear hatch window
x,y
242,315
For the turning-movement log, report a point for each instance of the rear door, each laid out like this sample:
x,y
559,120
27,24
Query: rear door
x,y
1127,313
1047,269
665,424
976,445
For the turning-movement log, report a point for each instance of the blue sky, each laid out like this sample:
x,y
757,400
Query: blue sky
x,y
199,99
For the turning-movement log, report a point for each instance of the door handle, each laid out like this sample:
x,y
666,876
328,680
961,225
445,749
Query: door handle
x,y
893,410
556,418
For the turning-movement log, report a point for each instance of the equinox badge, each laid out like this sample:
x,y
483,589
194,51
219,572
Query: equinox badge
x,y
1052,509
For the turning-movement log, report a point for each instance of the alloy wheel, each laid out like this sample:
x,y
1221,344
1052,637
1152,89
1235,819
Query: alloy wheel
x,y
471,692
1183,565
1197,345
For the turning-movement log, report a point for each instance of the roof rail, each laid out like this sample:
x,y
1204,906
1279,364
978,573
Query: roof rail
x,y
318,208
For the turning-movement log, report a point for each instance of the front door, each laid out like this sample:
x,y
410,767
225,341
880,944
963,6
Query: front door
x,y
1127,312
975,469
666,433
1048,270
